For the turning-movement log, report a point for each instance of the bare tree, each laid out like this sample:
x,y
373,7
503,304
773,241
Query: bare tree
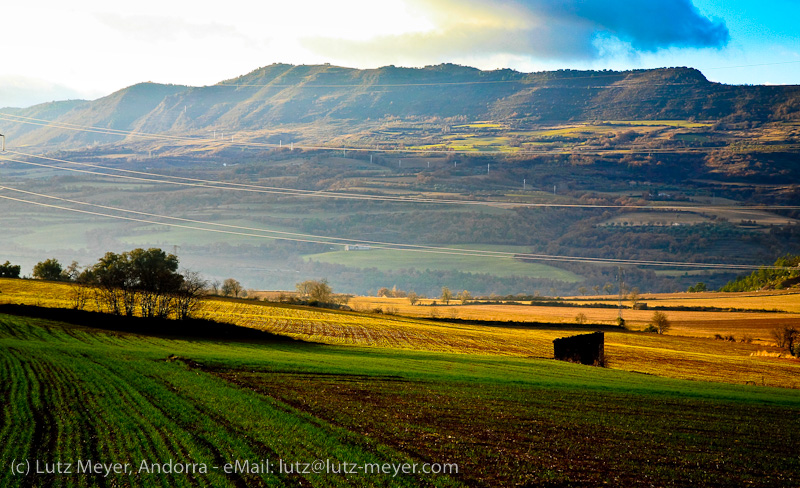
x,y
190,294
660,322
79,294
785,337
634,296
215,286
71,272
231,287
447,295
316,291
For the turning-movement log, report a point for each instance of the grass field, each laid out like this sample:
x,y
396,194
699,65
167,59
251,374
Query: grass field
x,y
74,393
666,123
688,351
387,390
487,136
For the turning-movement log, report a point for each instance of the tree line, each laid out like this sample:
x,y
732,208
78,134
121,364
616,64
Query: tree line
x,y
143,282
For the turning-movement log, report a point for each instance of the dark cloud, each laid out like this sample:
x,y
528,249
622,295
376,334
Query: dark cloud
x,y
648,25
544,29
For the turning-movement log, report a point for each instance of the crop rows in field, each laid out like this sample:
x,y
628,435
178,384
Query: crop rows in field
x,y
79,393
674,356
372,330
75,394
688,352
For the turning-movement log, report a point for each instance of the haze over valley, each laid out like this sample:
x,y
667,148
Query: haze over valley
x,y
524,182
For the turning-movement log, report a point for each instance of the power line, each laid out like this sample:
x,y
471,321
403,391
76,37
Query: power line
x,y
755,65
251,188
384,150
311,238
308,147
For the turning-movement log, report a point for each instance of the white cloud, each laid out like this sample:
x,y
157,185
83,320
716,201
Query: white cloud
x,y
21,91
565,30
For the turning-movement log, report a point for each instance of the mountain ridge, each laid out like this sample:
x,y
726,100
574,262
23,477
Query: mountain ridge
x,y
282,94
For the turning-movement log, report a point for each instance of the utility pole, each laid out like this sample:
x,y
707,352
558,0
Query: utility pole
x,y
621,283
4,142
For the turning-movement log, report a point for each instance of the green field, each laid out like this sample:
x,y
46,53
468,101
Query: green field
x,y
667,123
391,260
75,393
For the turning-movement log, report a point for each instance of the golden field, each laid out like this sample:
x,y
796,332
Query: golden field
x,y
756,325
687,351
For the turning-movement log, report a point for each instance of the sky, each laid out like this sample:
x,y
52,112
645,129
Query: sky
x,y
56,50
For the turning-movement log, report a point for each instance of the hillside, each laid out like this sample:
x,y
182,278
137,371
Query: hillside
x,y
652,165
286,94
769,279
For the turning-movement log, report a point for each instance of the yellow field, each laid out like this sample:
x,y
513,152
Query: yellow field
x,y
667,355
686,352
756,325
783,300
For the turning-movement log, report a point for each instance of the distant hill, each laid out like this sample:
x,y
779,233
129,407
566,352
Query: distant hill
x,y
286,94
769,279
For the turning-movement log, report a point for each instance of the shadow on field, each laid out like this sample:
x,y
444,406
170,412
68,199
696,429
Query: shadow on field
x,y
184,329
512,324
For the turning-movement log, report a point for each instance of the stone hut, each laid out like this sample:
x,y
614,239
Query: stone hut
x,y
584,349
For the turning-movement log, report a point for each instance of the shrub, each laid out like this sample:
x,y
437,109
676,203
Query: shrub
x,y
786,337
9,270
49,269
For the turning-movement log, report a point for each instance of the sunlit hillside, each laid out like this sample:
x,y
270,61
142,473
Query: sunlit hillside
x,y
689,350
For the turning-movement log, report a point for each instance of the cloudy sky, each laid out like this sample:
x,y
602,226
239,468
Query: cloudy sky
x,y
55,50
